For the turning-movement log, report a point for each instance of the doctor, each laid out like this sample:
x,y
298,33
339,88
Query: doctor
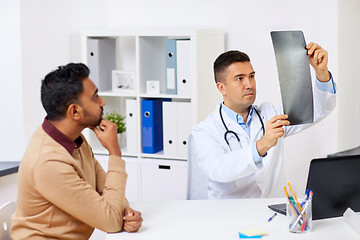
x,y
239,147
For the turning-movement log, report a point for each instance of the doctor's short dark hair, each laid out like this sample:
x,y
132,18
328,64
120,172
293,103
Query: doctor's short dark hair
x,y
61,88
226,59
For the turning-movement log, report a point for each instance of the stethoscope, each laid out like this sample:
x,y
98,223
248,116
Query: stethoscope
x,y
234,133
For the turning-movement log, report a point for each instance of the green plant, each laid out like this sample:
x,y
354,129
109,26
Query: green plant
x,y
118,119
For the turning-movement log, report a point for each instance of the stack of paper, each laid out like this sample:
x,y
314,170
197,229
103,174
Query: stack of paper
x,y
251,233
353,219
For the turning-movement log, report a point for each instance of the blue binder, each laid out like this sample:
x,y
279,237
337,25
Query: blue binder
x,y
152,125
171,71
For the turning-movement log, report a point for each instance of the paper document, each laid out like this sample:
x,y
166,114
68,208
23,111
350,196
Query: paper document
x,y
353,219
294,75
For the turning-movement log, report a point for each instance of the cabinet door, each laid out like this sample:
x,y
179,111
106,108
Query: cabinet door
x,y
163,180
131,165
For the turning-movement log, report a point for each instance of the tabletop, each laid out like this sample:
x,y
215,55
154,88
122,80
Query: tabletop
x,y
223,219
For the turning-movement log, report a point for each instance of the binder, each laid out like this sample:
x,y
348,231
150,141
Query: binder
x,y
152,125
171,72
184,125
177,124
131,126
183,67
101,61
170,128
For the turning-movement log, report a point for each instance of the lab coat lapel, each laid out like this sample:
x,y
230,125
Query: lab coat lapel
x,y
256,131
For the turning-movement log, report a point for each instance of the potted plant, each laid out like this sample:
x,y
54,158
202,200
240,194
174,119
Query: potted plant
x,y
119,120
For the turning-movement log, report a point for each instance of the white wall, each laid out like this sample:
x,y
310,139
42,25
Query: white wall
x,y
40,34
11,120
247,25
349,63
48,31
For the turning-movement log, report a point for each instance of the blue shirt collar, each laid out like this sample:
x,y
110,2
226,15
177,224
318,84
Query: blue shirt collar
x,y
237,117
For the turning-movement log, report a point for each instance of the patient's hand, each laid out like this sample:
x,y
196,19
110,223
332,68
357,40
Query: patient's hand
x,y
132,220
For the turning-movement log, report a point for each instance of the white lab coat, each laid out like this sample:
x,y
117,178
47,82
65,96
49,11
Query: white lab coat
x,y
230,170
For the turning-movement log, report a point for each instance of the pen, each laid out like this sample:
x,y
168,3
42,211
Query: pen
x,y
296,200
271,218
290,204
300,215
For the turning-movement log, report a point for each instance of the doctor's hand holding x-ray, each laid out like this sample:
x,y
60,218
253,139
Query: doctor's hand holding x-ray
x,y
239,155
318,58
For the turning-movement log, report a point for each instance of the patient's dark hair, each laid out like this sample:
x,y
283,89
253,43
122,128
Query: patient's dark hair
x,y
61,88
226,59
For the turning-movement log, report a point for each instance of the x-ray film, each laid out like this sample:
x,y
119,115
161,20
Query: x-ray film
x,y
294,75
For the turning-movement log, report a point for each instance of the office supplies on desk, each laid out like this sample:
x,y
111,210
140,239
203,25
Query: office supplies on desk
x,y
301,221
294,75
272,217
335,182
251,233
152,125
352,219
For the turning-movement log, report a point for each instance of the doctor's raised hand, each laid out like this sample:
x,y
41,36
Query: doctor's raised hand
x,y
318,58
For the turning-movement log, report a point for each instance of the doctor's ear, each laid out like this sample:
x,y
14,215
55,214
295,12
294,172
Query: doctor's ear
x,y
221,87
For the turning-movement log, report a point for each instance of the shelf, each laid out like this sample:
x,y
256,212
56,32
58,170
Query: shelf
x,y
116,94
146,53
143,95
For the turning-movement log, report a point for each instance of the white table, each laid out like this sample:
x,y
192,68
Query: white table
x,y
222,219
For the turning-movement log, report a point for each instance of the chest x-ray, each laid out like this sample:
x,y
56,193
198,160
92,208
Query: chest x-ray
x,y
294,75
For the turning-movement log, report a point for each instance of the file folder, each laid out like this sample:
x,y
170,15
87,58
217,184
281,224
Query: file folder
x,y
131,126
184,125
170,128
183,67
171,72
152,125
101,61
177,124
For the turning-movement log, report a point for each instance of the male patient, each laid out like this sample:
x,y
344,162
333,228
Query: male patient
x,y
63,192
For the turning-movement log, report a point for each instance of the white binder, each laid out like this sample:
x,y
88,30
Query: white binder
x,y
183,67
101,61
184,126
131,126
170,128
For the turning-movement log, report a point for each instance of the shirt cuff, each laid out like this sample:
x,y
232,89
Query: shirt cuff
x,y
257,158
328,86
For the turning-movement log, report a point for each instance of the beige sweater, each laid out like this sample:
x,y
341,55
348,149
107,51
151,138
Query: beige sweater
x,y
63,196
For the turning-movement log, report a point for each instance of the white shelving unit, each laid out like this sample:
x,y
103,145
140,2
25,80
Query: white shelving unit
x,y
156,176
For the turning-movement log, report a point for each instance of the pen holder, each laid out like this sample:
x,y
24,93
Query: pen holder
x,y
299,218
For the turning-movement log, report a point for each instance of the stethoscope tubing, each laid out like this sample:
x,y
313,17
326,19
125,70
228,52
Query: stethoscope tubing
x,y
234,133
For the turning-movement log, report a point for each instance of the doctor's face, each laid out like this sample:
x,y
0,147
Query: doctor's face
x,y
239,88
